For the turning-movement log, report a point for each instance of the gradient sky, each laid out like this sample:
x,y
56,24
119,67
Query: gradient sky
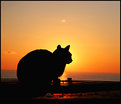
x,y
92,28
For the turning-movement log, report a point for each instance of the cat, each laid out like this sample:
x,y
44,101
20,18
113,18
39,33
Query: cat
x,y
39,67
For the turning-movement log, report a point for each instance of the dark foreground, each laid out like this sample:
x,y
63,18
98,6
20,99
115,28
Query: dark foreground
x,y
78,92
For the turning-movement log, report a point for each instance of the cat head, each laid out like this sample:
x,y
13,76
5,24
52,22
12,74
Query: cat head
x,y
63,54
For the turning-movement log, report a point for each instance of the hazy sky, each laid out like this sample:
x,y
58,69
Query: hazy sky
x,y
92,28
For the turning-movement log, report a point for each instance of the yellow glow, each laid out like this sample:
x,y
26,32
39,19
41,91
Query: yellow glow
x,y
63,77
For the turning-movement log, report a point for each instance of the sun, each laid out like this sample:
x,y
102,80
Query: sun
x,y
63,77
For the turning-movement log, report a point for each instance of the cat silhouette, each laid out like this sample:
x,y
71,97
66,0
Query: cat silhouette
x,y
38,68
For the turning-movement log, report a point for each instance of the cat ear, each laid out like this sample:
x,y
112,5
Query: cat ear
x,y
58,47
67,47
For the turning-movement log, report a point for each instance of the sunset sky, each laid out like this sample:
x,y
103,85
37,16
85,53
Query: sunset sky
x,y
91,28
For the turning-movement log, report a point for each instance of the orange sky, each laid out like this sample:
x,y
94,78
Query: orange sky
x,y
91,28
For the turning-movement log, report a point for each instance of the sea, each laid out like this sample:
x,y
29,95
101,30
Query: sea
x,y
74,75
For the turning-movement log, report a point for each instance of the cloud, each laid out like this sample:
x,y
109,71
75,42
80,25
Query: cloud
x,y
10,52
63,20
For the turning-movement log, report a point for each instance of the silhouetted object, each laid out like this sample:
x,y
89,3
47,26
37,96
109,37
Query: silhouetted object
x,y
56,82
69,81
38,68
